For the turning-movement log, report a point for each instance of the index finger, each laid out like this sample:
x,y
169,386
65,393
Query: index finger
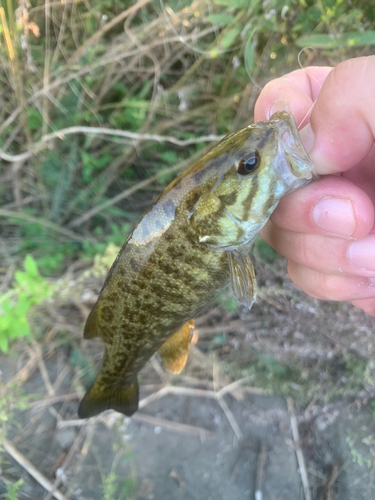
x,y
295,93
341,132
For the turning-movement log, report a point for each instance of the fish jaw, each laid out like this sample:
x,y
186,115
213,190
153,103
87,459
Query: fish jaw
x,y
292,162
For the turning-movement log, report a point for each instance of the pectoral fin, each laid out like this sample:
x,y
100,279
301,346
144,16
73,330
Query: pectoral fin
x,y
174,351
242,276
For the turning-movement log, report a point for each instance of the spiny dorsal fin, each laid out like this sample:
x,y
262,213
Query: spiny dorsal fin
x,y
174,351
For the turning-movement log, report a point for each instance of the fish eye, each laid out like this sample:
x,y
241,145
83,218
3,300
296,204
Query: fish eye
x,y
249,164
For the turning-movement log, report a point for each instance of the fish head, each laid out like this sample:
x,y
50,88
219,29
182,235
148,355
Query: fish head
x,y
255,167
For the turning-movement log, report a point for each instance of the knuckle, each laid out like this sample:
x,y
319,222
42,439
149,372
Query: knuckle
x,y
305,251
329,289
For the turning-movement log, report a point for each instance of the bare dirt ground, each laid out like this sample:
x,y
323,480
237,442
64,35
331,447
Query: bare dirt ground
x,y
223,429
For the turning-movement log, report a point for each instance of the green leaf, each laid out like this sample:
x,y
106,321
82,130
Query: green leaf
x,y
3,343
5,322
23,305
30,267
6,306
249,54
220,18
349,39
21,329
229,38
233,4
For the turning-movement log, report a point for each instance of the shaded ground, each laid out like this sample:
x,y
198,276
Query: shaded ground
x,y
186,443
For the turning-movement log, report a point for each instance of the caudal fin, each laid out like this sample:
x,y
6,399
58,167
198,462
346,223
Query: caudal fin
x,y
101,397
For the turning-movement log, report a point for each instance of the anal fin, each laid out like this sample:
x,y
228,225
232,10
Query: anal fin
x,y
242,277
174,351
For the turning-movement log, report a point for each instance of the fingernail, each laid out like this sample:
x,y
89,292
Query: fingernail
x,y
335,215
279,105
362,253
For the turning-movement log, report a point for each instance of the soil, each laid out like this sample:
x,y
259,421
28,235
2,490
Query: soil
x,y
238,446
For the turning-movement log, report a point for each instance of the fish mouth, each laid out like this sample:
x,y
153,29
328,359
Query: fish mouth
x,y
293,163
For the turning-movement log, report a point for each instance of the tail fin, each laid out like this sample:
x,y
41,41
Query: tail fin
x,y
101,397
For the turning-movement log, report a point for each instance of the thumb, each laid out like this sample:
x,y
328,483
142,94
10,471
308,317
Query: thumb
x,y
341,132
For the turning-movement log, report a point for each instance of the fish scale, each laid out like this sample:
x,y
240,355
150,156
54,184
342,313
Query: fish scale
x,y
189,245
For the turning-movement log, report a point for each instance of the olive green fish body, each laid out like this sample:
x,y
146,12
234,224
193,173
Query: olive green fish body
x,y
189,245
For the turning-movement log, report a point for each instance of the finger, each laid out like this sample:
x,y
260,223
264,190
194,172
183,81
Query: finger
x,y
331,206
343,118
294,93
324,254
363,175
367,305
330,287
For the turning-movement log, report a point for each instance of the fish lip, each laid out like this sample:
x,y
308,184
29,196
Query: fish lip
x,y
295,163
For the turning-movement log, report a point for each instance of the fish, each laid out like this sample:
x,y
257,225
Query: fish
x,y
190,244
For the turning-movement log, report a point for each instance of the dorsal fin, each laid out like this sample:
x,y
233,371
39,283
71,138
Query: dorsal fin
x,y
91,327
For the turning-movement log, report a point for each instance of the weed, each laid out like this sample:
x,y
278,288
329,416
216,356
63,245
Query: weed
x,y
228,302
361,447
265,372
115,488
11,399
29,290
13,489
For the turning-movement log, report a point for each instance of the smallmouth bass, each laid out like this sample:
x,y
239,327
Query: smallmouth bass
x,y
189,245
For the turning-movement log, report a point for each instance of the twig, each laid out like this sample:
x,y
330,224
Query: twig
x,y
43,371
297,447
225,327
240,459
94,38
32,470
7,278
331,482
121,196
24,373
60,134
56,399
225,407
261,470
230,417
370,484
89,68
77,442
190,430
47,224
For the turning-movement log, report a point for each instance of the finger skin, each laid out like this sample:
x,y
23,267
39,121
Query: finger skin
x,y
342,124
367,305
298,90
295,211
343,118
330,287
319,253
340,140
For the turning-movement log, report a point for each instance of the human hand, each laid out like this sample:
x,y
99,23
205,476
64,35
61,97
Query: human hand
x,y
326,229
